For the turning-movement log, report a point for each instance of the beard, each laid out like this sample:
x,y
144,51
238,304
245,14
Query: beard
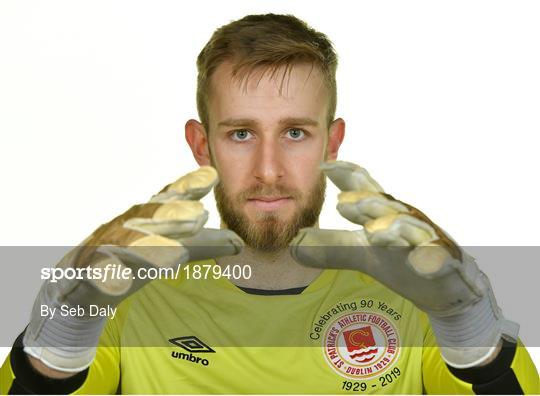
x,y
270,233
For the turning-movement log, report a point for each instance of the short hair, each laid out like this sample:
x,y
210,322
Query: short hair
x,y
268,41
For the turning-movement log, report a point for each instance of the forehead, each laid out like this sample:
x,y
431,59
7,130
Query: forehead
x,y
299,91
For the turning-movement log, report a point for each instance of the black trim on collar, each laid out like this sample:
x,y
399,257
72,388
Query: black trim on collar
x,y
264,292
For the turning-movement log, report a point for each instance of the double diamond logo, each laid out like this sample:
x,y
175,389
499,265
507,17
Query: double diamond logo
x,y
191,344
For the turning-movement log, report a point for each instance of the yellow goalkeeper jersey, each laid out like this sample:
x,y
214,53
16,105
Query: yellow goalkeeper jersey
x,y
344,333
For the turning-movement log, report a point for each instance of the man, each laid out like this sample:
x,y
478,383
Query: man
x,y
412,313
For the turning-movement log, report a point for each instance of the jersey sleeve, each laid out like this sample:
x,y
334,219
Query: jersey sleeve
x,y
102,377
512,372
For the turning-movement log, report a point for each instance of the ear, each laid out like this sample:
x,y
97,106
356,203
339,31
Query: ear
x,y
197,139
335,138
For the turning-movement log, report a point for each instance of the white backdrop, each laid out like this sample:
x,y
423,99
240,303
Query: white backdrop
x,y
441,101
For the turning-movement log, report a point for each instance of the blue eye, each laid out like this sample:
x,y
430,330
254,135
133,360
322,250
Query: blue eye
x,y
296,134
240,135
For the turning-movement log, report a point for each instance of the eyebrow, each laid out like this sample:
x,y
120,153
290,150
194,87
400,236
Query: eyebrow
x,y
245,122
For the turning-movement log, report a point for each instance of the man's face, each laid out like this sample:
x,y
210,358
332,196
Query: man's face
x,y
267,146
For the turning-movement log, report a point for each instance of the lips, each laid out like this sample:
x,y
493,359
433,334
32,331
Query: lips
x,y
267,199
269,203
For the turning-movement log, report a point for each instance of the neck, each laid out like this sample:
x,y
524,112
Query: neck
x,y
270,271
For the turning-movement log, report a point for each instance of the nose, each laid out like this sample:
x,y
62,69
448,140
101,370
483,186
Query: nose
x,y
269,162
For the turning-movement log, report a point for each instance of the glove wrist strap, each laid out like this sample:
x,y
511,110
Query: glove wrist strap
x,y
63,342
470,338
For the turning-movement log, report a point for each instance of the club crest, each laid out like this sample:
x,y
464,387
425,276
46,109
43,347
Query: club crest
x,y
361,345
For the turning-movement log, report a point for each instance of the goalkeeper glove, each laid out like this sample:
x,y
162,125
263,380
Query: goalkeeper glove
x,y
165,232
403,249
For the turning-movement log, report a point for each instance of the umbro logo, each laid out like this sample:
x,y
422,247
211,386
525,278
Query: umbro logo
x,y
191,344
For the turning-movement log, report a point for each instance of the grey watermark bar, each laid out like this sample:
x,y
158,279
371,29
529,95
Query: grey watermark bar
x,y
197,303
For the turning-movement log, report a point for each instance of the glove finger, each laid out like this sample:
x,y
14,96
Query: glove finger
x,y
429,258
314,247
363,206
113,232
88,290
443,238
212,243
399,230
350,177
174,219
151,251
157,251
192,186
116,270
98,288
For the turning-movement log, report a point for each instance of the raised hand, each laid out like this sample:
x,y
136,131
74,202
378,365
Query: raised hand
x,y
164,233
403,249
